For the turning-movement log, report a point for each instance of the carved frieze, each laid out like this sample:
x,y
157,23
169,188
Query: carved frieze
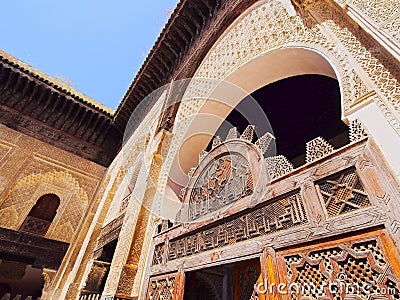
x,y
277,215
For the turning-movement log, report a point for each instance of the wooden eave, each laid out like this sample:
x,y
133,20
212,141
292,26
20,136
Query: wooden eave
x,y
40,251
199,24
39,106
35,105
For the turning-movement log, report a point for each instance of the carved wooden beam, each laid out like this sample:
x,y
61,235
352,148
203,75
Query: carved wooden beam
x,y
269,274
179,285
44,252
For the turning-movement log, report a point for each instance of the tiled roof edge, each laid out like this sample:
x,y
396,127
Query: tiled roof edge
x,y
46,79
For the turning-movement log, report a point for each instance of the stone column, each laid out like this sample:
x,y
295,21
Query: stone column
x,y
138,241
119,267
132,239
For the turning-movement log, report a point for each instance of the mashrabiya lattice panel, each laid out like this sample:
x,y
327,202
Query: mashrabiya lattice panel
x,y
161,289
343,193
278,215
247,275
353,269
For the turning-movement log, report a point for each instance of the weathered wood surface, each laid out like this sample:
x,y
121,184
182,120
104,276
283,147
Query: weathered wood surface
x,y
179,285
269,274
383,212
339,160
367,259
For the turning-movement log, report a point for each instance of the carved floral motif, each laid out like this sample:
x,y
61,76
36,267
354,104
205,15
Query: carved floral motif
x,y
223,181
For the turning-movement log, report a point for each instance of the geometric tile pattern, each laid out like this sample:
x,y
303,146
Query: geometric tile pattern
x,y
73,202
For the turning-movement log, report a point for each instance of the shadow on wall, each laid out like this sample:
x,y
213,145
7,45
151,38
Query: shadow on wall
x,y
19,278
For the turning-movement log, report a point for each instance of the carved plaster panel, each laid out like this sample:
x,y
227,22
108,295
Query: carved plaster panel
x,y
270,26
73,202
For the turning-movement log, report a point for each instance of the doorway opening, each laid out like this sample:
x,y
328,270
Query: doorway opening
x,y
226,282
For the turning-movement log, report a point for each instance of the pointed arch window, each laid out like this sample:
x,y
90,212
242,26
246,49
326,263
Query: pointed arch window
x,y
41,215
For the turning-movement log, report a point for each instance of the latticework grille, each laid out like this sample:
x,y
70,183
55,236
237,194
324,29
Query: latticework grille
x,y
324,256
161,289
311,280
357,270
357,274
343,193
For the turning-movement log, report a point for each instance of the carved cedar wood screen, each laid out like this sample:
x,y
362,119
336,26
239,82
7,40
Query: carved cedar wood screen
x,y
332,221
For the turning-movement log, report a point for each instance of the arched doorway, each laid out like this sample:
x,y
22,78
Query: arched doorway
x,y
41,215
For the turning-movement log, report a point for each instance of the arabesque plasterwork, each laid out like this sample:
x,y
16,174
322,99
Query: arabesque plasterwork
x,y
74,201
266,27
270,26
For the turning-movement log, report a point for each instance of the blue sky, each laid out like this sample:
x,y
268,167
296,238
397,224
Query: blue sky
x,y
97,45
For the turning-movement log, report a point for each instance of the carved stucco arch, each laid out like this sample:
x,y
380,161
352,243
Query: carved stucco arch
x,y
266,34
264,30
270,26
24,194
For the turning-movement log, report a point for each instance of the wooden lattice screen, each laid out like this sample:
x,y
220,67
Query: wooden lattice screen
x,y
244,277
365,266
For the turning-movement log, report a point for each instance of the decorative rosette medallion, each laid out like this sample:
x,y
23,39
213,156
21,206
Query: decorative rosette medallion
x,y
234,170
